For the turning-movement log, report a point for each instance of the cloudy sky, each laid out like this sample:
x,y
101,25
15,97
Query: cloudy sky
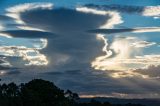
x,y
104,48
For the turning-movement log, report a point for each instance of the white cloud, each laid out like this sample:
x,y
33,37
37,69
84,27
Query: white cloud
x,y
2,73
40,44
123,48
15,11
5,35
115,17
1,27
157,17
31,55
151,11
142,44
124,57
29,6
120,55
90,10
146,29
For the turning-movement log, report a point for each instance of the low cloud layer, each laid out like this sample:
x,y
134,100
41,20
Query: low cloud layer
x,y
133,30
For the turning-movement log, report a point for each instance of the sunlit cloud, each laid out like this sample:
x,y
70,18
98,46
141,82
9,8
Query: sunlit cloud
x,y
31,55
123,57
94,96
115,17
1,27
15,12
143,44
40,44
2,73
5,35
120,64
153,11
122,95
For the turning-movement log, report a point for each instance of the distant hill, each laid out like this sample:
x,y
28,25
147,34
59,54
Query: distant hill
x,y
146,102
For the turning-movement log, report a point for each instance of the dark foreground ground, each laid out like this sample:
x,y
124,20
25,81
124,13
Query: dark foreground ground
x,y
146,102
40,92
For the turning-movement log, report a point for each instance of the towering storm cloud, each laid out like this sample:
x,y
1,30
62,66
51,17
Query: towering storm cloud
x,y
86,47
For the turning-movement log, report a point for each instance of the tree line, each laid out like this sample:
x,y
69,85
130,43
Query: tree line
x,y
40,92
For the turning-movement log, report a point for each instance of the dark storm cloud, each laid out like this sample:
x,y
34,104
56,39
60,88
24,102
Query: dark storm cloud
x,y
5,18
1,61
70,72
72,51
91,82
110,31
74,46
53,73
63,20
82,80
13,72
2,67
7,70
28,34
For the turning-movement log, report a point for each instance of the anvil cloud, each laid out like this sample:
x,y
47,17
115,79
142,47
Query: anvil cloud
x,y
83,48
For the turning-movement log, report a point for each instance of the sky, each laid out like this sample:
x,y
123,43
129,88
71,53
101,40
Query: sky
x,y
97,48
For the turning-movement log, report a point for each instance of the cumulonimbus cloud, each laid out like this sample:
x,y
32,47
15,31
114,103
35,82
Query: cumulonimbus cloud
x,y
74,48
85,18
68,29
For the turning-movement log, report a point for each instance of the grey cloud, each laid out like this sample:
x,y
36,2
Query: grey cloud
x,y
89,82
109,31
28,34
5,18
4,67
151,71
7,70
15,72
69,72
53,73
70,53
63,20
134,30
74,46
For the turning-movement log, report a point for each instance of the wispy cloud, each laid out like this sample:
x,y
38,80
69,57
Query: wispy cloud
x,y
153,11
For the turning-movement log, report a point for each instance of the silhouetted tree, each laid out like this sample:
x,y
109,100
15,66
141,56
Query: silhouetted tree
x,y
42,93
39,92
